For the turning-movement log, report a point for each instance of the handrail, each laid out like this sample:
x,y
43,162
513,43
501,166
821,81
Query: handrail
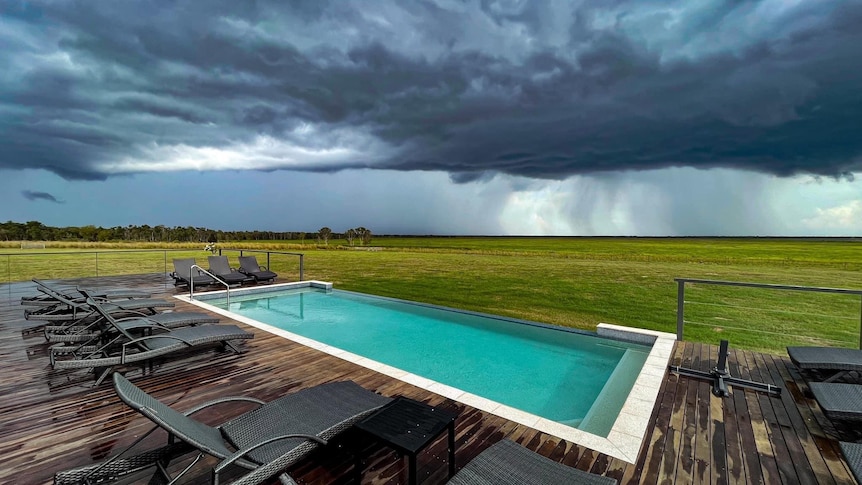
x,y
192,283
95,253
268,253
680,296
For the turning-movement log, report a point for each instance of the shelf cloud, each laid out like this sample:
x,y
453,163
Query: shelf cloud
x,y
539,90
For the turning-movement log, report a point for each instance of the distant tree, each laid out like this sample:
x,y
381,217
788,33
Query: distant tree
x,y
212,239
364,235
34,231
323,234
301,238
350,235
89,233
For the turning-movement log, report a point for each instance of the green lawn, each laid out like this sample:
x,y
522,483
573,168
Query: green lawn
x,y
578,282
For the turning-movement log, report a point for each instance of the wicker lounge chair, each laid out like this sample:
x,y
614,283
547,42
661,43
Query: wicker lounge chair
x,y
72,293
249,266
96,329
183,271
75,311
265,440
853,456
508,463
838,360
127,348
220,267
838,400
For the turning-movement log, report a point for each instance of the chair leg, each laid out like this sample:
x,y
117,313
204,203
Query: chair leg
x,y
102,376
233,347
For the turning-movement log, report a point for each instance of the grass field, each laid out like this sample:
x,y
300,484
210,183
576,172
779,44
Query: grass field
x,y
576,282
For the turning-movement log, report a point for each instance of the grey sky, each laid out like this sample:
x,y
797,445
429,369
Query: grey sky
x,y
585,103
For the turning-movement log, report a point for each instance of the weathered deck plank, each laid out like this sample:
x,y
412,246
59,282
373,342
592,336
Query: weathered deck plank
x,y
55,420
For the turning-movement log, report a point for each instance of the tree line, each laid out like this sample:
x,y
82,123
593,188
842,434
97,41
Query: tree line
x,y
36,231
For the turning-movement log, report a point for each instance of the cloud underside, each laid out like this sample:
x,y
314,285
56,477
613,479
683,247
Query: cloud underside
x,y
521,88
35,195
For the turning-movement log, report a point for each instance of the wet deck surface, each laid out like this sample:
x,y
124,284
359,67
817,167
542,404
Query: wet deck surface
x,y
55,420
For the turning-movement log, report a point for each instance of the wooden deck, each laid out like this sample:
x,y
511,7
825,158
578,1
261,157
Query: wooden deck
x,y
54,420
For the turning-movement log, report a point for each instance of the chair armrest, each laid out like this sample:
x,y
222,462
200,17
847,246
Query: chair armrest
x,y
148,324
222,400
240,453
148,337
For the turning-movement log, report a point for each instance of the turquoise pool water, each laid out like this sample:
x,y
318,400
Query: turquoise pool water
x,y
566,376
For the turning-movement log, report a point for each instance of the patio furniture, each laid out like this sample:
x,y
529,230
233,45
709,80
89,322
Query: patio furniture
x,y
249,266
838,400
508,463
94,330
72,293
853,455
185,275
127,348
839,360
409,426
220,267
265,440
74,311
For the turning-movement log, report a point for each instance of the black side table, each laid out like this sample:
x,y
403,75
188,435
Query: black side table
x,y
409,426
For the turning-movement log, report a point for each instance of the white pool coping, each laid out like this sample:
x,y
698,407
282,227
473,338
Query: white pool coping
x,y
623,442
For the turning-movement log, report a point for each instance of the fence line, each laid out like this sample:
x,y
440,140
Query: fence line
x,y
680,297
268,253
94,263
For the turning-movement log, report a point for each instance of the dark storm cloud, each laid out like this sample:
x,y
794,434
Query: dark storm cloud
x,y
472,89
32,195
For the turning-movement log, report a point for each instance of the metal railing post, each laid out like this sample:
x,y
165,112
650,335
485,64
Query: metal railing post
x,y
201,270
268,266
860,327
191,282
97,264
301,256
680,309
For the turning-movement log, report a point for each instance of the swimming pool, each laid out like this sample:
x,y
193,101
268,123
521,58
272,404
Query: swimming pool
x,y
573,378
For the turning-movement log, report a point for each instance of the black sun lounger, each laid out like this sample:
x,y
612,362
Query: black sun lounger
x,y
507,463
853,455
220,267
75,311
127,348
96,329
838,400
249,266
266,440
838,360
504,463
185,275
72,293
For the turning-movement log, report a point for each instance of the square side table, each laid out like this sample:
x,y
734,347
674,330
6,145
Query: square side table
x,y
409,426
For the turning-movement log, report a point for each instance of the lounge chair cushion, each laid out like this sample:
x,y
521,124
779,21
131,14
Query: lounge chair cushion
x,y
508,463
